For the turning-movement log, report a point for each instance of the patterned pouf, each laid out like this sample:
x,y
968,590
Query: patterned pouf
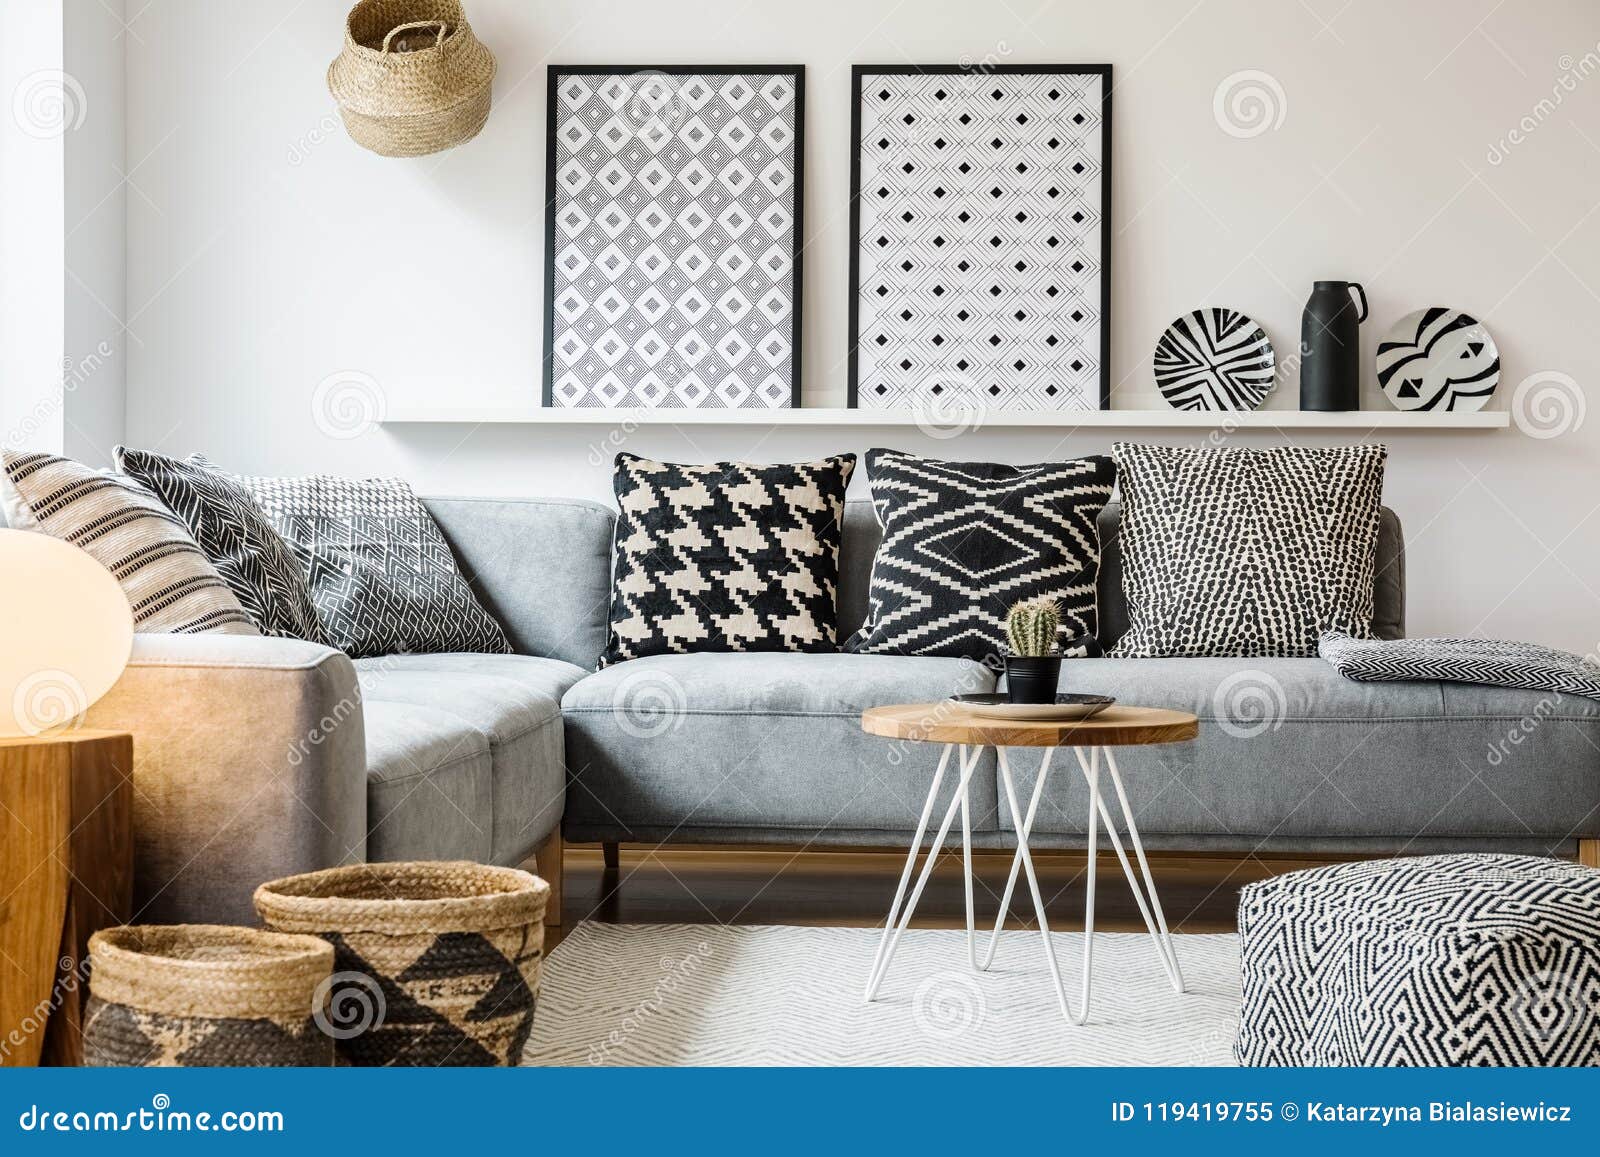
x,y
1438,960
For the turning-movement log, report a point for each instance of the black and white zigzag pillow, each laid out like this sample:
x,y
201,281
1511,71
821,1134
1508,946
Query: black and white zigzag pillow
x,y
726,557
1501,664
1242,552
381,574
963,541
251,557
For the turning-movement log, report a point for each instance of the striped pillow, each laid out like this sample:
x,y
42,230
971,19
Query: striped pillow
x,y
171,585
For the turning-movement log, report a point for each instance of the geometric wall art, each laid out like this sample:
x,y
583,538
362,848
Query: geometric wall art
x,y
980,263
673,227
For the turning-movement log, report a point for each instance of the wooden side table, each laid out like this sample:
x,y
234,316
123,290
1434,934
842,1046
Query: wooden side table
x,y
1091,740
66,871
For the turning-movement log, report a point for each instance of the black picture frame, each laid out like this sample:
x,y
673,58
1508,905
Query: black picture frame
x,y
554,74
859,72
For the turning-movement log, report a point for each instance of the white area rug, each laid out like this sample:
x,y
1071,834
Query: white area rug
x,y
682,994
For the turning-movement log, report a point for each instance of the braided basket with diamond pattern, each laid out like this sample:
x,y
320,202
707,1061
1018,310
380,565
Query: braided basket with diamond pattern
x,y
435,963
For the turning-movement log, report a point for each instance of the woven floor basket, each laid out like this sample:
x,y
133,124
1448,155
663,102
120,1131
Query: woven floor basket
x,y
194,995
412,78
435,963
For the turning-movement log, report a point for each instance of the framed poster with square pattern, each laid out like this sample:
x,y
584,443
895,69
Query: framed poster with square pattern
x,y
980,269
673,232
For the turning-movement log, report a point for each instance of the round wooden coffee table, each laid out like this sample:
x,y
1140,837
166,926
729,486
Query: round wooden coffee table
x,y
1091,739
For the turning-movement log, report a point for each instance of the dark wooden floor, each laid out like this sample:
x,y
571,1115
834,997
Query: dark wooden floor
x,y
853,888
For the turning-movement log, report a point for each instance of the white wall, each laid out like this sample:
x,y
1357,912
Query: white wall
x,y
267,252
63,231
94,243
32,273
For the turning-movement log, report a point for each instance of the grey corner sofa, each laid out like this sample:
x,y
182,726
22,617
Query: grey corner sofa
x,y
260,757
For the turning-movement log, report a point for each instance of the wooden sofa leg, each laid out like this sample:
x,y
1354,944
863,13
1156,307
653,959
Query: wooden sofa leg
x,y
1589,853
613,856
548,861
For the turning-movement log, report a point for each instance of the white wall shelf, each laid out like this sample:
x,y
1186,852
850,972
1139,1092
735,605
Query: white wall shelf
x,y
1009,420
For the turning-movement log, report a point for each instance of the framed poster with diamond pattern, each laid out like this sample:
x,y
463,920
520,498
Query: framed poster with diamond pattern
x,y
673,231
980,269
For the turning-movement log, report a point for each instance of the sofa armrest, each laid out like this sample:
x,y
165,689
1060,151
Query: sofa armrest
x,y
249,762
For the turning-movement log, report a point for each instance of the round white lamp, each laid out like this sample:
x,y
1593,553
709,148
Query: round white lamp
x,y
66,631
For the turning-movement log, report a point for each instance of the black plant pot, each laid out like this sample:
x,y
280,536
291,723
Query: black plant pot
x,y
1032,678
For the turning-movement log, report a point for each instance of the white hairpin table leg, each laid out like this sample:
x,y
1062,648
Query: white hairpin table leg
x,y
1024,829
1038,899
1158,929
893,930
966,869
911,862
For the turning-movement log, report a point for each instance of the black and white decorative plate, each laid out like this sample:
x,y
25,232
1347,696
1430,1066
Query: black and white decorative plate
x,y
1438,359
1214,359
1066,706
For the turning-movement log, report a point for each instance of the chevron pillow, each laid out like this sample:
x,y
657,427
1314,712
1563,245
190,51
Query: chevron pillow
x,y
1528,666
963,541
726,557
251,557
171,585
381,574
1243,552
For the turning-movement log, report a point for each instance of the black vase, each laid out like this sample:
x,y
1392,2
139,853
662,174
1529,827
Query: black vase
x,y
1330,347
1032,678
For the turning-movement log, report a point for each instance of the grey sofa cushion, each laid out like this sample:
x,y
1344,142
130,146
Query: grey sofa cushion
x,y
755,740
542,567
505,708
861,543
1289,748
429,785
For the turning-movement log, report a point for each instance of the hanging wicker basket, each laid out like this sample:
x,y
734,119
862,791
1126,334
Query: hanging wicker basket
x,y
195,995
412,78
435,963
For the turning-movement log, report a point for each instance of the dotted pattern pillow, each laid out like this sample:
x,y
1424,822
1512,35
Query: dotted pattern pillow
x,y
963,541
251,557
381,574
726,557
1249,553
171,585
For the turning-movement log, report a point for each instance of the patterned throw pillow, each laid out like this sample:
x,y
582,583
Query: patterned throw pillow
x,y
252,559
963,541
171,585
381,574
1528,666
1247,553
726,557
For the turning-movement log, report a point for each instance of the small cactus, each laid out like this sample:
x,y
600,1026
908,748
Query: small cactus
x,y
1031,627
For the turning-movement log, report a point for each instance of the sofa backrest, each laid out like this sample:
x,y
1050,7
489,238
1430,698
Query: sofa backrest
x,y
542,566
861,543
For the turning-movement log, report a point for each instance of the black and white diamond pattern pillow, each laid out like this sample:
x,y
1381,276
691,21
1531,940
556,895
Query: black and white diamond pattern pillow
x,y
1499,663
726,557
963,541
1246,553
237,537
381,574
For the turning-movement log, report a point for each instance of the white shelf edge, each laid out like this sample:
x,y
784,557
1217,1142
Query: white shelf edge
x,y
1009,420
